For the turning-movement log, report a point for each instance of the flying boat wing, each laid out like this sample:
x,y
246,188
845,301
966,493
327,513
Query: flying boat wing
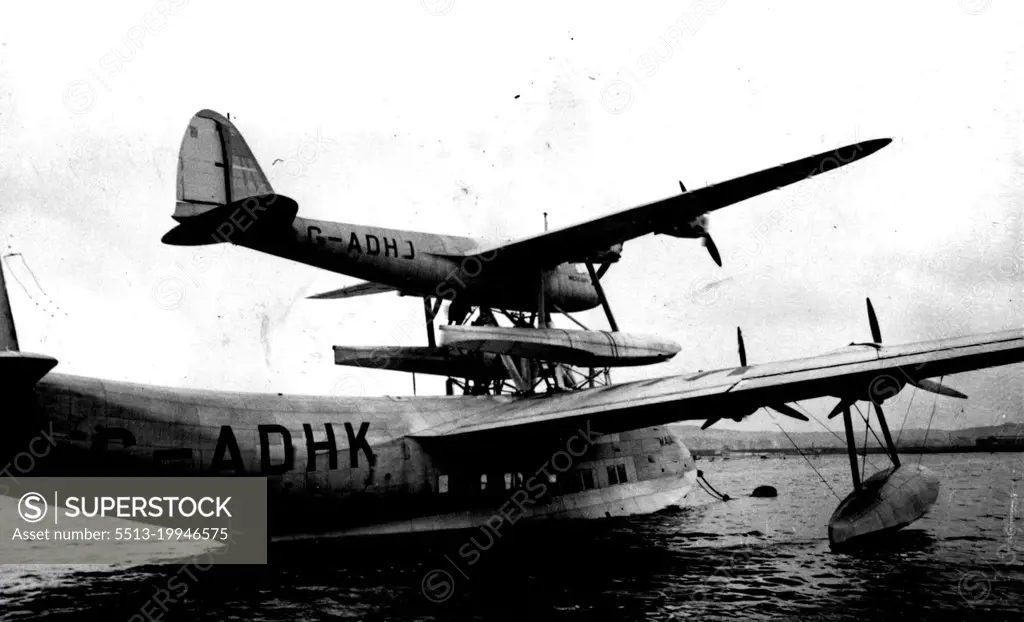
x,y
580,242
858,372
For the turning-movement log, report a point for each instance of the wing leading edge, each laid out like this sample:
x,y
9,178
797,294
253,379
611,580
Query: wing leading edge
x,y
577,243
720,393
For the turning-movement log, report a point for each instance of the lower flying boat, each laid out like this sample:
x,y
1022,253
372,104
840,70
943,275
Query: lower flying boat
x,y
346,466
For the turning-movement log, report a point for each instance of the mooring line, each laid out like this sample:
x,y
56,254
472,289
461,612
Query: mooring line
x,y
935,404
867,426
809,463
825,427
906,416
708,488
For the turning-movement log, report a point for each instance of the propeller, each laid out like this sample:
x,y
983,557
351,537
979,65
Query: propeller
x,y
781,408
921,383
742,348
712,249
876,332
843,404
935,387
710,422
706,237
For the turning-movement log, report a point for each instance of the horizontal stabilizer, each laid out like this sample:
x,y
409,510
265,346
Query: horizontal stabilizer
x,y
254,218
362,289
438,361
22,369
582,348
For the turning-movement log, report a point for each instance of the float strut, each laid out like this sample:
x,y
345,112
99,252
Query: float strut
x,y
851,448
888,437
542,309
429,315
604,300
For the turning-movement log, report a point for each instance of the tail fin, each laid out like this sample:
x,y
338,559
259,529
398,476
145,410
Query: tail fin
x,y
17,369
215,167
8,336
218,176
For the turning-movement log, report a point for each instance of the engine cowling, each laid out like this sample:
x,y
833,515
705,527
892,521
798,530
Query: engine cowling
x,y
695,228
611,255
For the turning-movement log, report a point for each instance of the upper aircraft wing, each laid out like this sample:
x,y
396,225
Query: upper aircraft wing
x,y
856,372
577,243
362,289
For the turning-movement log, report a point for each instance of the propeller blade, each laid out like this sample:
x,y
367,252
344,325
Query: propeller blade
x,y
710,422
936,387
843,404
682,187
876,333
712,249
789,411
743,349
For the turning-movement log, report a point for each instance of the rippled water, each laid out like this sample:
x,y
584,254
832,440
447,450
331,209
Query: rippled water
x,y
743,559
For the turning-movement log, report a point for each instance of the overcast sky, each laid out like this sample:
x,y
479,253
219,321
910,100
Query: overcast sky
x,y
457,117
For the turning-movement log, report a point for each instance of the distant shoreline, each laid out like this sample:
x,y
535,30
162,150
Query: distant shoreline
x,y
830,451
1008,437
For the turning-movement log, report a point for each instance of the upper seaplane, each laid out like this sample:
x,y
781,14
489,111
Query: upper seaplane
x,y
224,196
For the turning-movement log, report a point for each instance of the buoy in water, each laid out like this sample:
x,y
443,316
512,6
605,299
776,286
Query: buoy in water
x,y
765,491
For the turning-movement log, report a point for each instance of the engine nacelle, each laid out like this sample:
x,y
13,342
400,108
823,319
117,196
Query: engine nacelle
x,y
611,255
696,228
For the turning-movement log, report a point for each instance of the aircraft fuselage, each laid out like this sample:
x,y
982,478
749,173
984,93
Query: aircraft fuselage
x,y
424,264
345,466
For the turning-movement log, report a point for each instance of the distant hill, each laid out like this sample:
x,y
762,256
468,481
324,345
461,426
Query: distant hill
x,y
735,440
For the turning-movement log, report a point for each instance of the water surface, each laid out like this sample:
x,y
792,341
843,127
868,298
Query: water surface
x,y
742,559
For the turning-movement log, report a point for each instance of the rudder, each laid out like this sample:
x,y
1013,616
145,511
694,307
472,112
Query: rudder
x,y
220,184
8,335
215,167
17,369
